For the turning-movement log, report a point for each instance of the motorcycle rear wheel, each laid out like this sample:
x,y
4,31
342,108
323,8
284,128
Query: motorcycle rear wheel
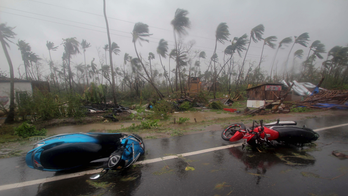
x,y
229,132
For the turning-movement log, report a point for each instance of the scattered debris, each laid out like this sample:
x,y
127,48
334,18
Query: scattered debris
x,y
330,99
340,155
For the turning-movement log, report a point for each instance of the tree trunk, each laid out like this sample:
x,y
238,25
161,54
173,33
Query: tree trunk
x,y
110,56
275,56
286,63
149,80
11,113
242,67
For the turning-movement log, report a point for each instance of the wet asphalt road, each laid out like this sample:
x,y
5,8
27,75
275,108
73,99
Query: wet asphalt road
x,y
280,171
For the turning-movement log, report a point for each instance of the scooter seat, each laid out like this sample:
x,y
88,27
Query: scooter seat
x,y
69,155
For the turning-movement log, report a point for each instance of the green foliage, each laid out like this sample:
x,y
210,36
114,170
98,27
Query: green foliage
x,y
49,106
182,120
149,124
162,108
185,106
96,94
216,105
26,130
300,109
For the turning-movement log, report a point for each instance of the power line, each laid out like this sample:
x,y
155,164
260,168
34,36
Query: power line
x,y
80,27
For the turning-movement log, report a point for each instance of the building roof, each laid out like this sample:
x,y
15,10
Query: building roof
x,y
263,85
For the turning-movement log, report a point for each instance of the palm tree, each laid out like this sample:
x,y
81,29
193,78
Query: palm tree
x,y
221,35
106,48
269,41
256,35
33,58
302,40
84,46
151,57
110,56
317,47
25,49
237,45
284,41
162,50
50,46
116,50
6,34
201,55
71,47
140,31
180,23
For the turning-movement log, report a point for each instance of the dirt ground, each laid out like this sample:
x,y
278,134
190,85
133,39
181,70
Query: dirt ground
x,y
205,122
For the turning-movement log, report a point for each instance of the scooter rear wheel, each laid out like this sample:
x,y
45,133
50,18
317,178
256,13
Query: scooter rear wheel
x,y
229,132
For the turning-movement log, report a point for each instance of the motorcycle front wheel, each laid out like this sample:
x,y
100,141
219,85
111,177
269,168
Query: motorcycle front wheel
x,y
229,132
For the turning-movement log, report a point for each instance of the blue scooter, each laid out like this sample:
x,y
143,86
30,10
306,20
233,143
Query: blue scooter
x,y
69,151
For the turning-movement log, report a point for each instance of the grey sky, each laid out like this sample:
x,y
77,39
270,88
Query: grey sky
x,y
38,21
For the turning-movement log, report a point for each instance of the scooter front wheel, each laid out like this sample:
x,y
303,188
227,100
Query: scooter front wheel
x,y
229,132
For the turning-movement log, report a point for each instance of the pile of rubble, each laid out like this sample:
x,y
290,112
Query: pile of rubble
x,y
331,99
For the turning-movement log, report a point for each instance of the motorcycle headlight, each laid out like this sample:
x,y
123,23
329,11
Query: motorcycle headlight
x,y
113,161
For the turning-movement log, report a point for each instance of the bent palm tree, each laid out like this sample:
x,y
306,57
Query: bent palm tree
x,y
162,50
221,35
302,40
110,56
50,46
6,34
150,58
180,23
255,35
25,49
85,45
71,47
269,41
140,32
284,41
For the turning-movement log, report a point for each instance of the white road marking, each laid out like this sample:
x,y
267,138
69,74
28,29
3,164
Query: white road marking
x,y
89,172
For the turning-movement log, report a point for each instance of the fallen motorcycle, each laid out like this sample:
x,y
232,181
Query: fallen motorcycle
x,y
69,151
284,132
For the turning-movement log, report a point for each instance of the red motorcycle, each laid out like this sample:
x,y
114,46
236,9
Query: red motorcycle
x,y
284,132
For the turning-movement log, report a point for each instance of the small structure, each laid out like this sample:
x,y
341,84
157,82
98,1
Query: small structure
x,y
261,94
195,85
22,88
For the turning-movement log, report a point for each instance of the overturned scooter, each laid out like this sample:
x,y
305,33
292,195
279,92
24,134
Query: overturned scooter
x,y
69,151
284,132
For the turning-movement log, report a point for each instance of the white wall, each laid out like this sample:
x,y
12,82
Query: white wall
x,y
5,91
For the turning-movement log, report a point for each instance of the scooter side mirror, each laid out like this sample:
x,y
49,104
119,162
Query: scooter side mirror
x,y
99,175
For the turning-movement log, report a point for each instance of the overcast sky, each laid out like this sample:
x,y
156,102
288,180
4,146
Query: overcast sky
x,y
38,21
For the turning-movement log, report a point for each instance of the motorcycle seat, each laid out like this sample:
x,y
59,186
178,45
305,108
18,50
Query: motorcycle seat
x,y
295,134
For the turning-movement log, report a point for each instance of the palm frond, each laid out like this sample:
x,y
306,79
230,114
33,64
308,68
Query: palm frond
x,y
162,48
151,56
115,48
140,31
302,39
6,33
222,33
126,58
269,41
202,55
181,22
257,32
298,54
285,41
85,44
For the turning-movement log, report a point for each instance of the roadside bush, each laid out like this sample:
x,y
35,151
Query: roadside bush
x,y
162,108
216,105
185,106
149,124
26,130
182,120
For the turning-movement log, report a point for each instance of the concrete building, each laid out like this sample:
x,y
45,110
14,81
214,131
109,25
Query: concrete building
x,y
22,88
